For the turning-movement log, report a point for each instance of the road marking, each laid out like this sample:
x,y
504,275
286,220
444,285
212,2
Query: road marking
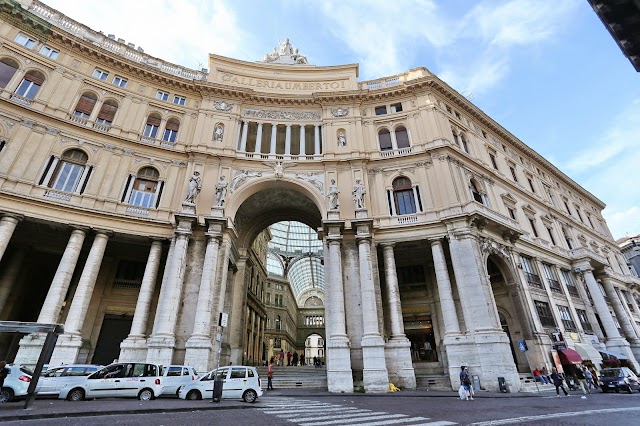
x,y
365,419
552,416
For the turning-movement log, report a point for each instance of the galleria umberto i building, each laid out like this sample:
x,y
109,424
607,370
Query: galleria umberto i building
x,y
140,199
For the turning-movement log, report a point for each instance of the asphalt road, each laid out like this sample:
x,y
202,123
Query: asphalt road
x,y
371,410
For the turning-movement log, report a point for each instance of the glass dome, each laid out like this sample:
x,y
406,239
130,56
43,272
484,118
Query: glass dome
x,y
296,244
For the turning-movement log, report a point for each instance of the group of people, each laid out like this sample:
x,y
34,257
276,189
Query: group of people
x,y
293,359
583,377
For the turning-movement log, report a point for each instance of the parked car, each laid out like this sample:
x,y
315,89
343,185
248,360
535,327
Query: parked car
x,y
123,379
54,379
174,376
239,381
617,379
16,384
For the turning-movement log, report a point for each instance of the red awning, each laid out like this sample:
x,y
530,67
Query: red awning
x,y
569,356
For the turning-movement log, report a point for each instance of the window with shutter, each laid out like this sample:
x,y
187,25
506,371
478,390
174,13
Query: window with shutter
x,y
8,68
107,112
85,105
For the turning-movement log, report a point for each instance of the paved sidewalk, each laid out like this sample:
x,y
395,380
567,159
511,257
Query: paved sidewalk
x,y
54,408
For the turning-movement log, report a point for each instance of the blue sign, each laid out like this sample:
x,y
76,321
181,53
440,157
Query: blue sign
x,y
522,345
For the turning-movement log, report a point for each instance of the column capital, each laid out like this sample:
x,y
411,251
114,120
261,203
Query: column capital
x,y
106,232
80,228
215,227
387,244
16,216
435,241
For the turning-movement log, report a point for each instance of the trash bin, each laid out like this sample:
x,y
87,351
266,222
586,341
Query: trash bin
x,y
502,385
476,382
217,390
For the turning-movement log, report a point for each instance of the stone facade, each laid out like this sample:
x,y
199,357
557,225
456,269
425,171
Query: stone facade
x,y
132,192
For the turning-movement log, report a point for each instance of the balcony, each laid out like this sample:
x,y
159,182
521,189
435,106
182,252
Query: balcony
x,y
21,100
573,290
583,253
395,152
533,279
554,285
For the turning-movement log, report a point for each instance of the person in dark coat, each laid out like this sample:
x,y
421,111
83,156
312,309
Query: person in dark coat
x,y
558,382
4,371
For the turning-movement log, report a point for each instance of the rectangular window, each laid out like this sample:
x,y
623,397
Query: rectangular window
x,y
381,110
550,232
99,74
49,52
396,107
512,213
529,273
531,185
568,280
579,214
513,173
551,277
119,81
532,222
25,41
584,320
458,115
494,163
565,316
484,134
544,313
179,100
566,206
163,96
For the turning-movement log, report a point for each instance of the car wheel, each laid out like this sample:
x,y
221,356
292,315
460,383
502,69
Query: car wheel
x,y
75,395
145,395
249,395
6,395
194,395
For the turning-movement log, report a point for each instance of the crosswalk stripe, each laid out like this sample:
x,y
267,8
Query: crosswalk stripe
x,y
391,422
366,418
438,423
311,410
335,417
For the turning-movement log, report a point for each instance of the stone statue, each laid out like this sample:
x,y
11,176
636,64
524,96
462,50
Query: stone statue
x,y
332,195
195,185
270,57
218,133
342,140
358,195
299,59
285,47
221,191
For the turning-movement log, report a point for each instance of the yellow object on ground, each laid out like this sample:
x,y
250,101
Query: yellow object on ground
x,y
393,388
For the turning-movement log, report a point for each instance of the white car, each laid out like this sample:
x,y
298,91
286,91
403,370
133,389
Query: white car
x,y
174,376
238,382
16,383
124,379
54,379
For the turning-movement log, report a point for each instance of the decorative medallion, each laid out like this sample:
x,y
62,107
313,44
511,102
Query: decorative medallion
x,y
222,106
340,112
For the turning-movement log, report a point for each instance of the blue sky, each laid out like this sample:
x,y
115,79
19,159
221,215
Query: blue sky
x,y
546,70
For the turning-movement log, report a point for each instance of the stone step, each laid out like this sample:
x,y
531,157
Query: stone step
x,y
433,382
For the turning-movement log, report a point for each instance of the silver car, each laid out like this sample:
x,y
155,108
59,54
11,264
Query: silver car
x,y
54,379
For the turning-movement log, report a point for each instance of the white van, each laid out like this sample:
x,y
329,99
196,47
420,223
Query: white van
x,y
124,379
174,376
239,381
54,379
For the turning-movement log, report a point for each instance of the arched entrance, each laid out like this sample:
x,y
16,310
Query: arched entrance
x,y
510,308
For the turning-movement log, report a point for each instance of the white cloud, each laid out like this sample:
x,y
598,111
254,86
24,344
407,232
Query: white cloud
x,y
623,222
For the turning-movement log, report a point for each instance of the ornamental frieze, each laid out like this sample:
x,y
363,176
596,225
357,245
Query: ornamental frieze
x,y
282,115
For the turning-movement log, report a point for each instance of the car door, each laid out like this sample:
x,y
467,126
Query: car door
x,y
105,382
172,376
236,383
72,375
47,382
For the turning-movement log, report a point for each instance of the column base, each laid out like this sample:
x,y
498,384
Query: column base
x,y
397,353
133,349
623,347
198,353
160,349
375,376
188,208
67,350
29,349
339,374
217,211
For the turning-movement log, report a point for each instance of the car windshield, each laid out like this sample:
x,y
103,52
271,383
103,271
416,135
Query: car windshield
x,y
25,370
611,373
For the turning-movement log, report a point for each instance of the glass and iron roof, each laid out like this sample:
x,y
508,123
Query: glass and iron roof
x,y
297,245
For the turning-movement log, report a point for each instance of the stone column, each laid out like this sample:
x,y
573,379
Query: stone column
x,y
243,140
316,140
287,141
8,224
8,279
339,375
392,202
375,374
394,141
447,305
220,292
416,198
398,347
258,140
486,348
134,347
199,346
162,340
624,319
272,146
237,315
303,148
69,344
614,341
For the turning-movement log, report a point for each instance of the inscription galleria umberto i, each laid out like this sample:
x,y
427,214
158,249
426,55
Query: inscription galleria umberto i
x,y
388,227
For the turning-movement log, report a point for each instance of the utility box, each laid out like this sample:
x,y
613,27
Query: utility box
x,y
476,382
217,390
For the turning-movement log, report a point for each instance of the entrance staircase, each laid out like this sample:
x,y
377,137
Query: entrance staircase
x,y
528,385
299,377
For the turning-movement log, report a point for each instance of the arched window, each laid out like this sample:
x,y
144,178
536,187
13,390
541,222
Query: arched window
x,y
171,130
8,68
384,139
402,137
85,105
404,196
107,112
30,84
278,323
475,192
144,189
69,171
152,126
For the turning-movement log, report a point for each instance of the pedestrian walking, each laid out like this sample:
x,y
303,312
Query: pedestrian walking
x,y
270,376
558,382
589,378
281,358
289,358
302,359
465,382
4,371
315,361
580,380
295,359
